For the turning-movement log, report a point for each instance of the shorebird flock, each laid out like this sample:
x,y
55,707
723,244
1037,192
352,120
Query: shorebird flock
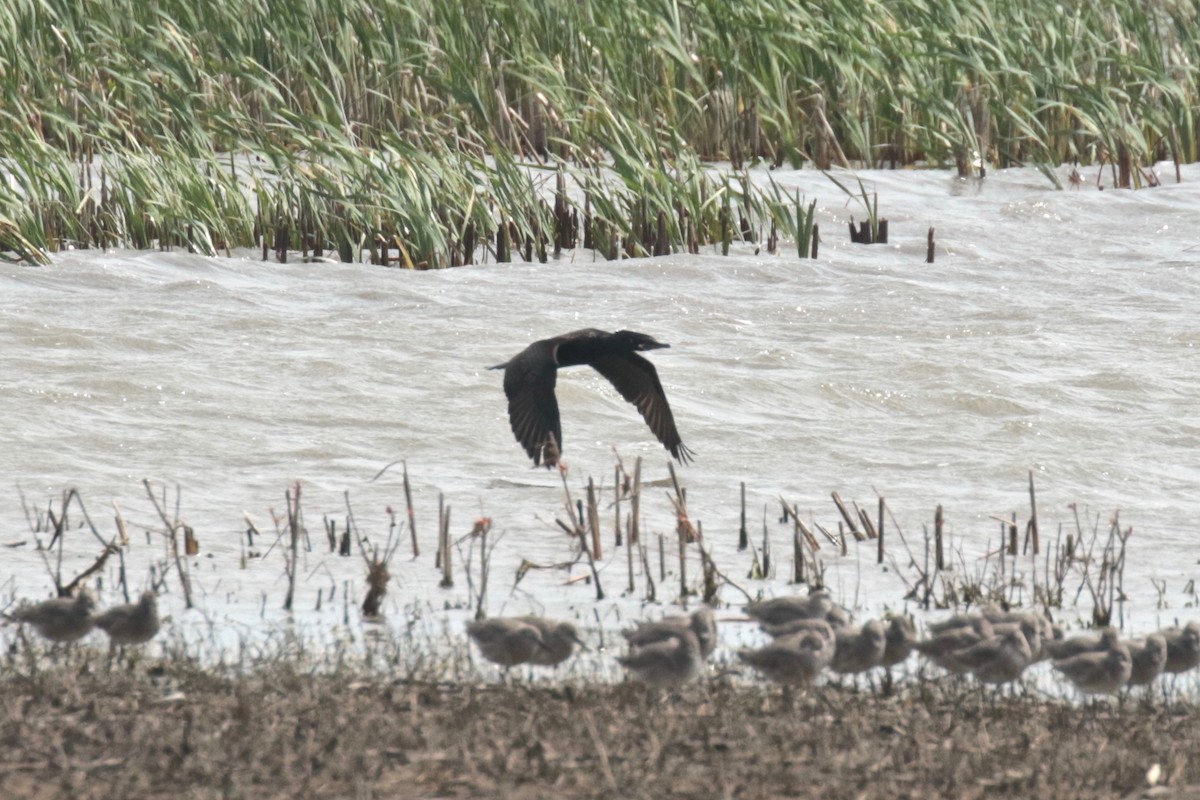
x,y
68,619
812,635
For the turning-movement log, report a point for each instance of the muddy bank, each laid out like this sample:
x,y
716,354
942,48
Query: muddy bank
x,y
178,732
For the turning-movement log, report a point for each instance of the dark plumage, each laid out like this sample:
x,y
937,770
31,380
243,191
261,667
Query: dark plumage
x,y
529,379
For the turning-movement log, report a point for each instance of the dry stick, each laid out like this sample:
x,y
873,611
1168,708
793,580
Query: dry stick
x,y
766,546
879,530
123,541
617,505
939,561
662,558
412,521
635,503
576,530
865,519
183,576
593,513
681,534
743,536
837,501
441,539
447,572
293,507
1033,523
601,750
629,558
651,590
929,247
797,553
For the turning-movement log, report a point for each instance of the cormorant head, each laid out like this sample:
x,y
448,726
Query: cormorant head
x,y
639,341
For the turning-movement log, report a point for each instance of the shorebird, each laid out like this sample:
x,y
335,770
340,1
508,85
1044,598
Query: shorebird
x,y
558,640
1030,628
972,619
133,623
667,663
506,641
1098,671
802,625
795,659
1149,656
530,376
859,649
781,610
997,659
941,648
63,619
1076,645
1183,647
900,639
700,622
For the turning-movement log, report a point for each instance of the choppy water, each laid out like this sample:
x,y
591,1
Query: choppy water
x,y
1057,332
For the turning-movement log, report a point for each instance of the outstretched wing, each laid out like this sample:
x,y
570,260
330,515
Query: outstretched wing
x,y
637,381
529,381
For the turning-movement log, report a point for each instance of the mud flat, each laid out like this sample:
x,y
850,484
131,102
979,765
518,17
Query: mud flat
x,y
170,730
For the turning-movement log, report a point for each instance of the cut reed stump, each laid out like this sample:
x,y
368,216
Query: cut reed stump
x,y
929,247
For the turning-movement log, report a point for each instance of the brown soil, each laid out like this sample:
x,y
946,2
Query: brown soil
x,y
178,732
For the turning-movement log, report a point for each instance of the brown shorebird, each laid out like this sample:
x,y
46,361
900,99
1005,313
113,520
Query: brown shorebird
x,y
700,622
998,659
558,640
667,663
972,619
795,659
781,610
900,639
1077,645
530,376
1183,647
1149,656
941,648
802,625
63,619
1098,671
859,649
506,641
1031,626
134,623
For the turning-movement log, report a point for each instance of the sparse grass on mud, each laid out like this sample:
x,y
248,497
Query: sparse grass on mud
x,y
180,732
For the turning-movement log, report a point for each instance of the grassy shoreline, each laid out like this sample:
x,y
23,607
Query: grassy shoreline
x,y
173,730
424,133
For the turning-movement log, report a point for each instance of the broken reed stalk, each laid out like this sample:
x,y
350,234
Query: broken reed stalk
x,y
593,513
617,505
743,535
1033,519
635,504
929,247
173,540
797,554
480,532
444,537
292,496
879,530
412,517
939,554
629,558
651,589
846,515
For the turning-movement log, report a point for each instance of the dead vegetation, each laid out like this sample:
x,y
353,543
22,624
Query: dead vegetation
x,y
178,731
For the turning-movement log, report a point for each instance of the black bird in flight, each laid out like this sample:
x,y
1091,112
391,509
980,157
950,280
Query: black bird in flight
x,y
529,379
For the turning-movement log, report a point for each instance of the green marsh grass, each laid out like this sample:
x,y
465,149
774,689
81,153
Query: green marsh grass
x,y
413,132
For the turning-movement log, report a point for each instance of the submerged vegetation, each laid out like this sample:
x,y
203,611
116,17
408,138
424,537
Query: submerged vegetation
x,y
432,134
